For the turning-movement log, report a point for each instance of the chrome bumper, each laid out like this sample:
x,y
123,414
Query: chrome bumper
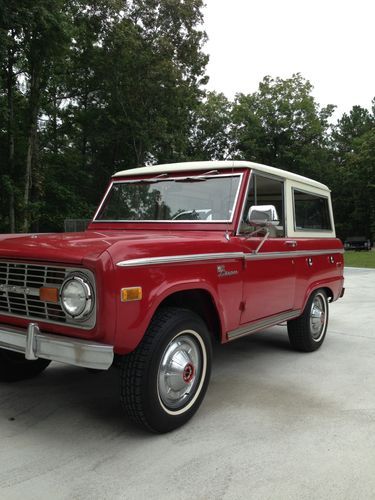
x,y
34,344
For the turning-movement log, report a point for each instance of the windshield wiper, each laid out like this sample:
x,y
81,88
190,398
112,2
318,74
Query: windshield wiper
x,y
162,177
191,179
198,178
153,180
210,172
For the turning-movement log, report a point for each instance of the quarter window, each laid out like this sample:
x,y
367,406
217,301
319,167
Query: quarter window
x,y
311,212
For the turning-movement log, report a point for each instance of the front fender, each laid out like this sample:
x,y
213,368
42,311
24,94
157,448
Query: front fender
x,y
135,317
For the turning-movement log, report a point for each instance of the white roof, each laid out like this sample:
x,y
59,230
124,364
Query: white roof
x,y
210,165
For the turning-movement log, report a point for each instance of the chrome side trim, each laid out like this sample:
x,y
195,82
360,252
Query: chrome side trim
x,y
173,259
35,344
263,323
296,253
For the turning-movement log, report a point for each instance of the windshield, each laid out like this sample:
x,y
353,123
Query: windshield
x,y
199,198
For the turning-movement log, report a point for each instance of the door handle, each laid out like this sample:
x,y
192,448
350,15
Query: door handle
x,y
291,243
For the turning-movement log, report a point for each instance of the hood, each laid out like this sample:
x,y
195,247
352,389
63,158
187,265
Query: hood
x,y
74,248
69,248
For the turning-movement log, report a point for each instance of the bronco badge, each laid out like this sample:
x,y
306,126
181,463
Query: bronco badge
x,y
223,273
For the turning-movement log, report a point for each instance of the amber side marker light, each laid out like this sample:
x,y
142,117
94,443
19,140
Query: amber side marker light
x,y
49,294
132,293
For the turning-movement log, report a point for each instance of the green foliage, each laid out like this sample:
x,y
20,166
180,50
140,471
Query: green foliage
x,y
360,259
282,125
349,129
353,144
96,86
89,87
211,133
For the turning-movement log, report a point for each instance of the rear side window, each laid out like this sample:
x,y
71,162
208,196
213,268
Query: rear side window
x,y
311,212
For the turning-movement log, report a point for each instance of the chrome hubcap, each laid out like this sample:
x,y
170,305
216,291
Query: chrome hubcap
x,y
179,371
318,317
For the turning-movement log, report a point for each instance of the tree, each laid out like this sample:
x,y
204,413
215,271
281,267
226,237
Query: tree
x,y
45,39
353,146
282,125
12,111
155,55
348,129
33,35
211,131
87,88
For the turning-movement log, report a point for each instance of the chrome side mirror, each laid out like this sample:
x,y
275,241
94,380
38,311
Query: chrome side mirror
x,y
263,216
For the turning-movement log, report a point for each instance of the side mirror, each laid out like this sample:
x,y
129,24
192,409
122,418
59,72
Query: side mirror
x,y
263,216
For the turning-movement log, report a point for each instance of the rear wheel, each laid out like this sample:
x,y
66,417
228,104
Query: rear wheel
x,y
307,332
164,380
14,366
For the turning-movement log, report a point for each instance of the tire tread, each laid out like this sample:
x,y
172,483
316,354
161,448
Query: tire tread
x,y
299,328
134,366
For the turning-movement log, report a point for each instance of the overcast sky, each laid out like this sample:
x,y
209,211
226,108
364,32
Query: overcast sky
x,y
330,42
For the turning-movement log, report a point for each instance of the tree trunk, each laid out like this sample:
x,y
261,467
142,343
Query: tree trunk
x,y
11,141
85,103
139,152
54,123
34,103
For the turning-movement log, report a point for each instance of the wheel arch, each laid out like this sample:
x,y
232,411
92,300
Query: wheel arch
x,y
318,286
199,301
329,292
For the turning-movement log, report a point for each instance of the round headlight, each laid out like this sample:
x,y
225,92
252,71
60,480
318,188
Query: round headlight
x,y
77,297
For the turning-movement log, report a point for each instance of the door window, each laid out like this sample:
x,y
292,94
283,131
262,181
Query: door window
x,y
264,202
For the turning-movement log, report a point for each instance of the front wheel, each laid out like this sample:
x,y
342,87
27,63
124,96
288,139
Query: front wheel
x,y
14,366
307,332
163,382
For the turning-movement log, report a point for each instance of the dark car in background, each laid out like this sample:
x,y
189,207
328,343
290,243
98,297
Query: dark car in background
x,y
357,243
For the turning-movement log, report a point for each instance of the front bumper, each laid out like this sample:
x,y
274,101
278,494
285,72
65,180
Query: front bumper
x,y
34,344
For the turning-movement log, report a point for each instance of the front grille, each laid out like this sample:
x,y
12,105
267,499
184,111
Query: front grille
x,y
19,290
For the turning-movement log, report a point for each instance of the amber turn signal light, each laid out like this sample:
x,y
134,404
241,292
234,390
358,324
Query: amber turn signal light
x,y
49,294
132,293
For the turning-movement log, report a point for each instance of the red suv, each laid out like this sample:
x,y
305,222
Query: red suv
x,y
176,257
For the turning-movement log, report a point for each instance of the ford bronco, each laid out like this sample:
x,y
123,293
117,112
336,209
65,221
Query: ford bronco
x,y
176,257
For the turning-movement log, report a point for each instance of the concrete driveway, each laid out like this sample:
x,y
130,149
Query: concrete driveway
x,y
275,424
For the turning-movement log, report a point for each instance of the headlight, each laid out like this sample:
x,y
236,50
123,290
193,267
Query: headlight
x,y
77,298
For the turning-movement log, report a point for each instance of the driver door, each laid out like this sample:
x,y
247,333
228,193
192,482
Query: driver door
x,y
270,275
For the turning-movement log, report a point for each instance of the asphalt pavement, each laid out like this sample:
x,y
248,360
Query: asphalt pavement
x,y
275,424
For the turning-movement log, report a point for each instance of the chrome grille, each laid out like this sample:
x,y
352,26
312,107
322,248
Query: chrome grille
x,y
19,290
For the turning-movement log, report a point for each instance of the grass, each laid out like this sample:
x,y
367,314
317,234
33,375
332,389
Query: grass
x,y
360,259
